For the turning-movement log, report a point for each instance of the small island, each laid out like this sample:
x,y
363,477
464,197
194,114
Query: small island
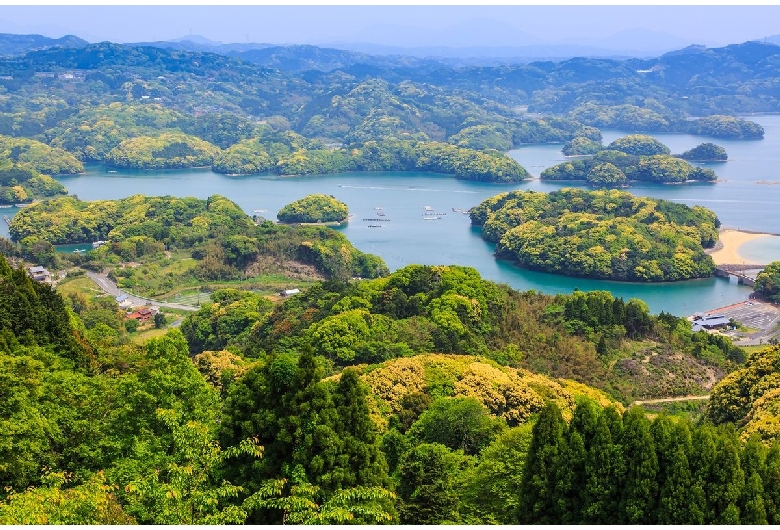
x,y
605,234
706,152
636,157
314,209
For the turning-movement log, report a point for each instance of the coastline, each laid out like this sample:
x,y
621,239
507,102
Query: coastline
x,y
726,251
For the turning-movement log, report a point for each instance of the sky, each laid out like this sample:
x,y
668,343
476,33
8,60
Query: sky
x,y
400,25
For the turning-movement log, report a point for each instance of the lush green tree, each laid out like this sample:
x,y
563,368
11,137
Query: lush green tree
x,y
639,144
580,146
459,423
606,175
639,495
187,489
706,152
427,476
537,490
314,209
768,282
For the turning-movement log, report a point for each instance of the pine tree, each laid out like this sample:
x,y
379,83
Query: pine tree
x,y
585,421
570,480
728,482
673,505
753,462
605,472
702,461
537,490
639,495
771,480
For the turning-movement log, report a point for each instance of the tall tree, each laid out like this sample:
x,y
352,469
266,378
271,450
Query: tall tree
x,y
640,493
537,491
605,470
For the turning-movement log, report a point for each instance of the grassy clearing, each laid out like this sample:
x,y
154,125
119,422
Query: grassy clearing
x,y
79,284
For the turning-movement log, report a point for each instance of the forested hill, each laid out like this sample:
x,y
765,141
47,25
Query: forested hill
x,y
11,44
339,99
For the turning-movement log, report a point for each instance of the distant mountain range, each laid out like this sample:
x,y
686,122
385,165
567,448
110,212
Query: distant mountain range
x,y
11,44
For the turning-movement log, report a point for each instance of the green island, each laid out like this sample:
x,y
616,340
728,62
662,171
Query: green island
x,y
635,157
289,378
600,234
706,152
316,208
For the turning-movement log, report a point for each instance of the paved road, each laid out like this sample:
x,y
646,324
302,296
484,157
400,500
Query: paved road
x,y
111,288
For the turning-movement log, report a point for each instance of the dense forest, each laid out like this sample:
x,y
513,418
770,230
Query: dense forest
x,y
298,413
635,157
600,234
213,239
428,395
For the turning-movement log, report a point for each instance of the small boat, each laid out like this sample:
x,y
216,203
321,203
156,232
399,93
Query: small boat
x,y
259,210
378,208
79,251
6,205
428,208
112,170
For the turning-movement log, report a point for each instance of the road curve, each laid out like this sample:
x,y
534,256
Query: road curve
x,y
111,288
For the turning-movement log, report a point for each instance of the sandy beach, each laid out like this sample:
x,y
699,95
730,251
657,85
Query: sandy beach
x,y
731,241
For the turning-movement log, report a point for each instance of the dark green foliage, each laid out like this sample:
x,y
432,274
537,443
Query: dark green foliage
x,y
35,315
427,476
768,282
639,494
706,152
537,490
459,423
581,146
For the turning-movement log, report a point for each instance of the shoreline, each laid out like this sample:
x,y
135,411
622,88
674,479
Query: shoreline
x,y
726,251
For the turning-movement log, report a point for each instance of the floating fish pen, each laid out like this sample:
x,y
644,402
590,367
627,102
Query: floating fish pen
x,y
7,220
431,218
436,214
378,220
374,226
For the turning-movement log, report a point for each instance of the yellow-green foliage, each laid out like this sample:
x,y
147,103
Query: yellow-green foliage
x,y
219,367
750,396
600,234
167,150
96,130
315,208
69,220
245,157
513,394
31,154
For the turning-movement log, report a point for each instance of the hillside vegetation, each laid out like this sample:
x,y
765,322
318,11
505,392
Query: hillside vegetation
x,y
600,234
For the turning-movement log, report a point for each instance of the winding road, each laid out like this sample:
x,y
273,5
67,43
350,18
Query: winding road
x,y
111,288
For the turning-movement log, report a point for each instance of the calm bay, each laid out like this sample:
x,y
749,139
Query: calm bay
x,y
747,197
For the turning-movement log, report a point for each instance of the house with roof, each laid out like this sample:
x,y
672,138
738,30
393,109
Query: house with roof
x,y
141,315
708,322
289,292
39,274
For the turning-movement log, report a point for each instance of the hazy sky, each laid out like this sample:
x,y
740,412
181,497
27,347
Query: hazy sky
x,y
402,25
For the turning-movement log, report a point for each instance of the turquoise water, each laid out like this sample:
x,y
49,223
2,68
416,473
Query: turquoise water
x,y
741,199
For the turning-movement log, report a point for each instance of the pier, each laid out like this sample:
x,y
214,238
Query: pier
x,y
7,220
745,273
